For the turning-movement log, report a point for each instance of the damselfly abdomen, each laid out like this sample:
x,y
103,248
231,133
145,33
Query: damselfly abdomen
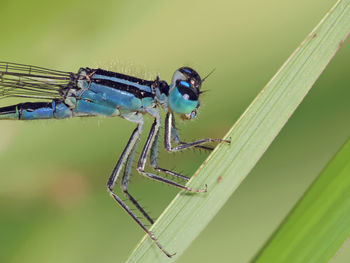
x,y
97,92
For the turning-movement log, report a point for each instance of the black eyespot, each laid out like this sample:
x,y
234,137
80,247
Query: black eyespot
x,y
186,91
192,77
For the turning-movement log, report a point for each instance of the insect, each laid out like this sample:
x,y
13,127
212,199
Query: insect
x,y
98,92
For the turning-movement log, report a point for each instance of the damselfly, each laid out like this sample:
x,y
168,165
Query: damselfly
x,y
98,92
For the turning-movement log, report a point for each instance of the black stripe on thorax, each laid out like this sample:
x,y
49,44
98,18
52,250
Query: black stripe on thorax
x,y
124,77
138,93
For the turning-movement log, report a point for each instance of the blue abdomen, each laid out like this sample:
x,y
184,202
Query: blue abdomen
x,y
36,110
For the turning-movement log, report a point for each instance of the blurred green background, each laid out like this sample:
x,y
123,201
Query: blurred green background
x,y
53,202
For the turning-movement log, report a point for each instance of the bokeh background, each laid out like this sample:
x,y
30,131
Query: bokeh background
x,y
53,202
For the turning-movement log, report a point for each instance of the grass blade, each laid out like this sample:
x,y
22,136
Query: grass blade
x,y
320,223
228,165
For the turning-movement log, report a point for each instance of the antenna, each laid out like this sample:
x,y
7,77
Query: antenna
x,y
211,72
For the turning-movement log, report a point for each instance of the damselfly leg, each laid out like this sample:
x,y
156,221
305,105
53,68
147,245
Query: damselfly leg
x,y
126,156
175,137
150,148
125,183
182,145
154,163
142,160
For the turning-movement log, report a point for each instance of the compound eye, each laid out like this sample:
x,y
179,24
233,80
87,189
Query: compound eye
x,y
184,92
189,75
182,98
185,89
178,76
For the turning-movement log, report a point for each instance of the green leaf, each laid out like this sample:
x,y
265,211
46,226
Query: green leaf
x,y
228,165
320,223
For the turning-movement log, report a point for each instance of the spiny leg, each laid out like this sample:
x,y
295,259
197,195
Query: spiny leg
x,y
126,208
167,138
126,152
112,179
174,135
143,157
153,160
176,138
125,182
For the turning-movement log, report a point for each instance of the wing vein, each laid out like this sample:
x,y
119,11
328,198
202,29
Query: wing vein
x,y
26,81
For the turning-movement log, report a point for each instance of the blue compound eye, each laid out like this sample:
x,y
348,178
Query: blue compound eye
x,y
182,98
190,76
184,92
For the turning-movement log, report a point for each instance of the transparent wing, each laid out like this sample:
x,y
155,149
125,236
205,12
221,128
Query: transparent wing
x,y
18,80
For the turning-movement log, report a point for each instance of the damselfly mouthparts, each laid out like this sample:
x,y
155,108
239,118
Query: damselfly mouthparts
x,y
97,92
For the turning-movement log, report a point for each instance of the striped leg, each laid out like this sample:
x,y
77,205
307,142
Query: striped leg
x,y
176,138
125,182
142,160
154,164
182,146
129,149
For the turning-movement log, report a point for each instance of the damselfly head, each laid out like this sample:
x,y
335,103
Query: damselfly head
x,y
184,92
